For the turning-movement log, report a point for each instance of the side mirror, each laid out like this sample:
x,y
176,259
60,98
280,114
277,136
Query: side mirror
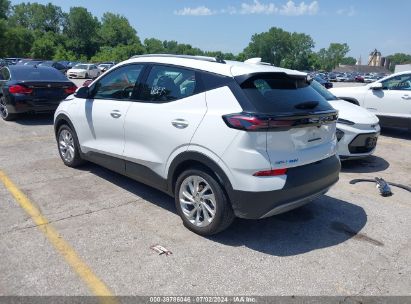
x,y
376,86
82,92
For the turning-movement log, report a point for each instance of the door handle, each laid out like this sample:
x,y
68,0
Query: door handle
x,y
406,96
180,123
115,114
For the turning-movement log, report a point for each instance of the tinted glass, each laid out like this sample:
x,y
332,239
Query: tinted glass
x,y
280,93
46,63
322,90
33,62
400,82
46,74
4,74
58,66
119,84
166,83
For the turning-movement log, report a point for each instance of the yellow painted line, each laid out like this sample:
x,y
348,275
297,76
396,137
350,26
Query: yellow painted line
x,y
97,286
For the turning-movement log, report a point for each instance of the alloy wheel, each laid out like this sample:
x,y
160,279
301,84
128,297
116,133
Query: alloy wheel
x,y
66,145
197,201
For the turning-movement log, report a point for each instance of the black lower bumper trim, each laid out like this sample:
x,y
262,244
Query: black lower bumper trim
x,y
363,143
303,184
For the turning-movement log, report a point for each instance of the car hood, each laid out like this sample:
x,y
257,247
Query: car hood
x,y
354,113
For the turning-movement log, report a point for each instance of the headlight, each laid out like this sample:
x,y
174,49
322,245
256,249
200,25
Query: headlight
x,y
339,134
345,122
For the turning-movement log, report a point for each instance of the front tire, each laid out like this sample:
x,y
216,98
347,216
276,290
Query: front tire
x,y
68,147
202,203
4,112
86,76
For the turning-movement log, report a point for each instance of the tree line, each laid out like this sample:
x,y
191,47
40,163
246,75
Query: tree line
x,y
46,32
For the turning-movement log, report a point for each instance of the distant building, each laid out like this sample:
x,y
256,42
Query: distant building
x,y
375,59
376,64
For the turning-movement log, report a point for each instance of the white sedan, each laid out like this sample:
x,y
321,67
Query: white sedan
x,y
83,70
357,129
389,98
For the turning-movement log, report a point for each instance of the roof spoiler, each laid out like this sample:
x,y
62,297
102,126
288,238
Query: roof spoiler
x,y
257,60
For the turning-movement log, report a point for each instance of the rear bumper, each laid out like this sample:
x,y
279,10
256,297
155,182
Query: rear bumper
x,y
26,105
303,185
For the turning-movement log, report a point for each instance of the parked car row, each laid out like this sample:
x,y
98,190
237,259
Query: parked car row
x,y
348,77
71,68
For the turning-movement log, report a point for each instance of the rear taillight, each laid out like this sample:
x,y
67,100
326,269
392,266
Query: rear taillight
x,y
70,90
275,172
257,122
254,123
19,89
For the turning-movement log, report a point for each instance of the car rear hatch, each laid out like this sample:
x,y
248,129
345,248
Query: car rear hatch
x,y
299,123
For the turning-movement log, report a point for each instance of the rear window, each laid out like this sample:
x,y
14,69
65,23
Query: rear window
x,y
282,93
38,74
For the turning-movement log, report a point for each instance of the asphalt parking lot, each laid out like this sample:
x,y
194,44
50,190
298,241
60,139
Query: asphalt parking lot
x,y
88,231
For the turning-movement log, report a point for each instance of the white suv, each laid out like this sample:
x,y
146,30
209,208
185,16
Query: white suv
x,y
224,138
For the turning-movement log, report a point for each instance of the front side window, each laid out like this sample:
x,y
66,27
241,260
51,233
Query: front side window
x,y
400,82
119,84
166,84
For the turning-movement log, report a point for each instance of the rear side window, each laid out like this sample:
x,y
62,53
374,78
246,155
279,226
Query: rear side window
x,y
165,83
282,93
46,74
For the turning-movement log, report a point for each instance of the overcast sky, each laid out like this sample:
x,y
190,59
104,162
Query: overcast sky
x,y
228,25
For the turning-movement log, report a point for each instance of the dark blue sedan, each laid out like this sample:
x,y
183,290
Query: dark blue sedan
x,y
31,89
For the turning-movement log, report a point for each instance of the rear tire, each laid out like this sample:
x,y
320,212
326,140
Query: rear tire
x,y
4,112
86,76
68,147
202,203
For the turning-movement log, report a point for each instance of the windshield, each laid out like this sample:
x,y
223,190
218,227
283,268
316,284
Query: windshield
x,y
323,91
80,67
32,62
47,63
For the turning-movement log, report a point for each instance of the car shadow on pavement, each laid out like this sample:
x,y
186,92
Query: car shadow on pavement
x,y
365,165
139,189
35,119
396,133
323,223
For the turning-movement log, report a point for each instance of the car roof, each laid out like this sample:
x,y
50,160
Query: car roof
x,y
209,64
